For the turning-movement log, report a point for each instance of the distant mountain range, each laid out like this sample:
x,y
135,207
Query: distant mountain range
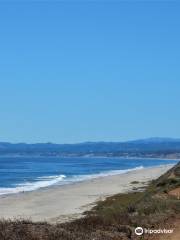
x,y
151,147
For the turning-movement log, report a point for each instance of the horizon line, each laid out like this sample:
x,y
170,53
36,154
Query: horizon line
x,y
101,141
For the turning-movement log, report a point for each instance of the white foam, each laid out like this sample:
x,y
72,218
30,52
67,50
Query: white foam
x,y
76,178
47,181
31,186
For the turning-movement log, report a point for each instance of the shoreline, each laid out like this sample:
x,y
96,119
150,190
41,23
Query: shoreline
x,y
68,202
80,180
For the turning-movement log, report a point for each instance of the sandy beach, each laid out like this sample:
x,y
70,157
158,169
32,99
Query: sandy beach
x,y
63,203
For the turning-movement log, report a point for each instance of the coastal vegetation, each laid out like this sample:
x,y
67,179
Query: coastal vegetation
x,y
115,218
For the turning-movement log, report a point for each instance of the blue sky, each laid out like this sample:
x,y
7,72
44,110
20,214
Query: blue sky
x,y
92,71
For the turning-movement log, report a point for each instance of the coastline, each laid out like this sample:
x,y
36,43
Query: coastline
x,y
67,202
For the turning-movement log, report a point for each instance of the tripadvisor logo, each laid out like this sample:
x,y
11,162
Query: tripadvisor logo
x,y
139,231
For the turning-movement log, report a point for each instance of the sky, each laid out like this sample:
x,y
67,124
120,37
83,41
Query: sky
x,y
79,71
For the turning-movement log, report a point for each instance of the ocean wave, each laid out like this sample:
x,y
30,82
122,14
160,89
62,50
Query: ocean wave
x,y
47,181
76,178
31,186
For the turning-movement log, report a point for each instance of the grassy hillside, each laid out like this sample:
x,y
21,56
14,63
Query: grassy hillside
x,y
113,219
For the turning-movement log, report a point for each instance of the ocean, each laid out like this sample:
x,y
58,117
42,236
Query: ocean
x,y
19,174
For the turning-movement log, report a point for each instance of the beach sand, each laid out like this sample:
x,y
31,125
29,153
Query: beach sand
x,y
64,203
